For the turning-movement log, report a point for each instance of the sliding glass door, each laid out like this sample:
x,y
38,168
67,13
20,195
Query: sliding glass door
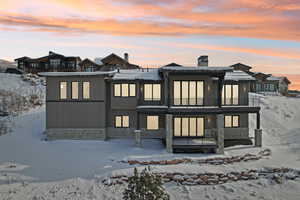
x,y
189,126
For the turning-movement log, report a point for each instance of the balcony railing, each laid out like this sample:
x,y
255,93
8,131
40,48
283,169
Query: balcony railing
x,y
253,101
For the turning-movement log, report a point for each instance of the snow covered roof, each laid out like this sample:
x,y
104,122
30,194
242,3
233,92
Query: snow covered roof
x,y
238,76
76,73
196,69
274,78
137,74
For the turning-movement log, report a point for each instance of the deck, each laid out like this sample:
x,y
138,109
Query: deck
x,y
194,145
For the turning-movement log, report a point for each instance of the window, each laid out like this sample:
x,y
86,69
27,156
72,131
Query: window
x,y
75,90
63,90
232,121
152,92
86,90
122,121
230,95
152,123
188,92
188,126
55,62
124,90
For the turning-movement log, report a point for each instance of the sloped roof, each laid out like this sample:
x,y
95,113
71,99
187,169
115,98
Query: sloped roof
x,y
278,78
196,69
137,74
238,76
173,64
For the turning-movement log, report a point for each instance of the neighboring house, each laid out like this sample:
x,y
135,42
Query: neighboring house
x,y
265,83
172,65
108,63
89,66
190,108
51,63
14,70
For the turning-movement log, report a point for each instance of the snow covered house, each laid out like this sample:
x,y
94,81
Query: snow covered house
x,y
189,108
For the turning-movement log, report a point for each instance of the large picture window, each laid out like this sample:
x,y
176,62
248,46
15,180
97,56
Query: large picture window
x,y
230,94
152,92
63,90
188,92
125,90
152,122
75,90
232,121
122,121
188,126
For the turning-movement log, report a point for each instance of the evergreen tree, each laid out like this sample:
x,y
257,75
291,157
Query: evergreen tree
x,y
145,186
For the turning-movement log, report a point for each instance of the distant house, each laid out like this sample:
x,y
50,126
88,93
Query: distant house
x,y
264,82
51,63
13,70
173,64
89,66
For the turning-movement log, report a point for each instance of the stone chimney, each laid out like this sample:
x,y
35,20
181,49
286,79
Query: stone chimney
x,y
203,61
126,57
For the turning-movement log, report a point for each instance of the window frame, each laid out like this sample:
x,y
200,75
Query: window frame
x,y
152,92
147,128
89,90
73,82
198,135
129,92
196,103
224,98
122,121
232,116
60,90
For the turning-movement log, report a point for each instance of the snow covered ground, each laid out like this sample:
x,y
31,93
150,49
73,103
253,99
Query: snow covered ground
x,y
31,168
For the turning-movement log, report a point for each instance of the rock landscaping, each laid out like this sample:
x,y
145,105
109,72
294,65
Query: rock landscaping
x,y
275,175
210,161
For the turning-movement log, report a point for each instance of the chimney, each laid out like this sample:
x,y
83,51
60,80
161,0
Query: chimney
x,y
203,61
126,57
51,53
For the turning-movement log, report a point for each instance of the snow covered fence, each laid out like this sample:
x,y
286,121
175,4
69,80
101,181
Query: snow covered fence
x,y
211,161
274,175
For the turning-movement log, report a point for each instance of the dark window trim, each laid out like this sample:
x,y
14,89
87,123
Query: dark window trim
x,y
231,98
152,90
158,118
204,93
239,121
77,90
122,116
204,125
114,94
60,82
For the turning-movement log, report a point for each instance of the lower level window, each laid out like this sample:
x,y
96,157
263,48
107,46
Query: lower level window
x,y
232,121
122,121
188,126
152,123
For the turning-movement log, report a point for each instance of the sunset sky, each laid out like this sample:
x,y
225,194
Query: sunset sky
x,y
264,34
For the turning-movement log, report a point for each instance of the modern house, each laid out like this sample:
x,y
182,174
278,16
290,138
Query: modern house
x,y
198,108
109,63
265,83
51,63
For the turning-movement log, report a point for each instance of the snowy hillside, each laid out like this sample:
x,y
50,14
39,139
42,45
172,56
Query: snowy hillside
x,y
4,64
31,168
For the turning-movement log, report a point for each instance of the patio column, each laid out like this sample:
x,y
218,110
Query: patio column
x,y
220,133
138,138
258,132
169,133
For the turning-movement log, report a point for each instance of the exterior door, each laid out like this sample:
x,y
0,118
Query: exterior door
x,y
188,127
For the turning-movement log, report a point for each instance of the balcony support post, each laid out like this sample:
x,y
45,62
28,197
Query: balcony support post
x,y
220,87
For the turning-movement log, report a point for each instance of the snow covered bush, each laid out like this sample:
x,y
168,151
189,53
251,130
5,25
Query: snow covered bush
x,y
145,186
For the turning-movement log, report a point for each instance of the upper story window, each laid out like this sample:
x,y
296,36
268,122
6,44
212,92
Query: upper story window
x,y
125,90
188,93
71,64
55,62
152,122
232,121
75,90
86,90
34,65
230,94
152,92
63,90
122,121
